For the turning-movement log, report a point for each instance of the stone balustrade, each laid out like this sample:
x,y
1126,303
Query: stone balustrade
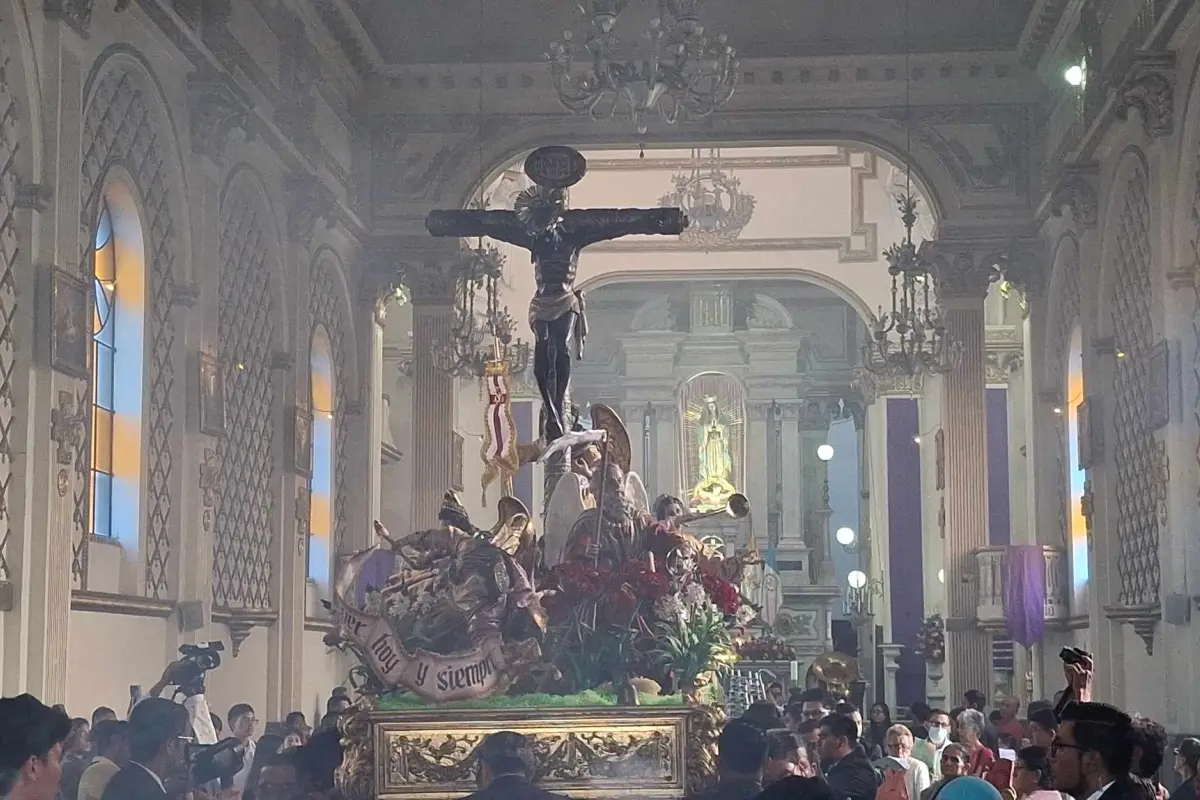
x,y
992,570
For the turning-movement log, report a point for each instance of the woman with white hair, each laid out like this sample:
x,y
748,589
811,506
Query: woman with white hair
x,y
970,730
899,743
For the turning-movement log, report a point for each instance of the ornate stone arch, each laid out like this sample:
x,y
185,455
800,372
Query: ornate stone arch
x,y
1126,313
1063,305
455,183
329,308
20,136
127,125
251,327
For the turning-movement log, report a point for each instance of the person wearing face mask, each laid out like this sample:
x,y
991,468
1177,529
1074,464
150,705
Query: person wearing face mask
x,y
929,751
159,732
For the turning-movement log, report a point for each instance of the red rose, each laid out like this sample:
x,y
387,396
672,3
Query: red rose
x,y
723,594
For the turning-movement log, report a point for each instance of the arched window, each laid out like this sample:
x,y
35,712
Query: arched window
x,y
320,523
1076,475
118,327
104,326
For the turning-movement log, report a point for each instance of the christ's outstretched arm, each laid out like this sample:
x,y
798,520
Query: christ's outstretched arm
x,y
592,225
501,225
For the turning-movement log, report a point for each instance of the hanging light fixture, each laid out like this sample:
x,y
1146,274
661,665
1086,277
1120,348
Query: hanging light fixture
x,y
679,73
477,337
910,339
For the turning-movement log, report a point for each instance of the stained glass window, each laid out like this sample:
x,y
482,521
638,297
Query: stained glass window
x,y
320,560
103,373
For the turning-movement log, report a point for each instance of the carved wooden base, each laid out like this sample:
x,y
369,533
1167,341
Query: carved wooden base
x,y
597,752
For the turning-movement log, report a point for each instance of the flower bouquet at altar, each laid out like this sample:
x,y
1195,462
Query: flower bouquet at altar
x,y
931,639
766,648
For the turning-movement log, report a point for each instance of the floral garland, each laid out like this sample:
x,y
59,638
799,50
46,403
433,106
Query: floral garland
x,y
931,639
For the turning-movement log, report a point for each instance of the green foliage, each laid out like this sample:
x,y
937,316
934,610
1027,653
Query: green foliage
x,y
701,644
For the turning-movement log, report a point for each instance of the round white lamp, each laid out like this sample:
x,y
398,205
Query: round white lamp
x,y
941,576
845,536
857,579
1074,75
825,452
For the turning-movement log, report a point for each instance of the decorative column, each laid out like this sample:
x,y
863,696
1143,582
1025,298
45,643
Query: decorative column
x,y
758,489
431,279
791,528
963,272
891,666
666,445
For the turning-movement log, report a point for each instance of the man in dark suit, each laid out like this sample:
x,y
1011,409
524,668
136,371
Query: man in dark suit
x,y
158,732
741,755
31,748
506,769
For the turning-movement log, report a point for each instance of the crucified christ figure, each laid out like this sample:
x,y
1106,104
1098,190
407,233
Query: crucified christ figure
x,y
554,237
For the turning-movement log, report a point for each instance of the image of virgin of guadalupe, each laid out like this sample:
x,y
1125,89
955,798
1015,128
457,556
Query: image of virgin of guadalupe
x,y
714,458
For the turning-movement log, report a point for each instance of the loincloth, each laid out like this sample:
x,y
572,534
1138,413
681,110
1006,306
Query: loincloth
x,y
549,308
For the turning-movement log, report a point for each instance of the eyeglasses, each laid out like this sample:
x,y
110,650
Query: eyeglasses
x,y
1058,745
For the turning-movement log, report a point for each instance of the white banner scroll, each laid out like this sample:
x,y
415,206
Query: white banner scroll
x,y
464,675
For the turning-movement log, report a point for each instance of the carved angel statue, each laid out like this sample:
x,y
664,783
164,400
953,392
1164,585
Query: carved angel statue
x,y
457,587
598,510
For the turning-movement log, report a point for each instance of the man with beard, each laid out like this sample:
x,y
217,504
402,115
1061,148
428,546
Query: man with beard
x,y
1092,755
159,731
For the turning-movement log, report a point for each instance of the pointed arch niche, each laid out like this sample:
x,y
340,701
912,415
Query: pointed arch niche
x,y
117,388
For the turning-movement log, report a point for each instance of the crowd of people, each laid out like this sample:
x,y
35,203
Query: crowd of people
x,y
154,754
813,747
808,747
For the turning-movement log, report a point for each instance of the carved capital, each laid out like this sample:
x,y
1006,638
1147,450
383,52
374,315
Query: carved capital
x,y
865,384
1149,88
1076,190
33,196
308,201
216,110
961,269
1143,619
1021,265
433,280
1000,365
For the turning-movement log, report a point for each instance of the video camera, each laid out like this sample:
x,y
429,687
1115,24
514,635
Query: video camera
x,y
208,763
198,659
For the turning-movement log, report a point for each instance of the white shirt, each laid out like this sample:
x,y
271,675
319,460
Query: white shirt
x,y
239,780
1097,794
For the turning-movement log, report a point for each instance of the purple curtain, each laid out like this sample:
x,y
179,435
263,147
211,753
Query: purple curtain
x,y
375,574
1026,600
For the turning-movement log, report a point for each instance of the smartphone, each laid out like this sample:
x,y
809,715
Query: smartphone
x,y
135,697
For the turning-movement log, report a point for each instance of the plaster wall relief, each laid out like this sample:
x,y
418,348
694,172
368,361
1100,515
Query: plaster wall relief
x,y
12,359
248,326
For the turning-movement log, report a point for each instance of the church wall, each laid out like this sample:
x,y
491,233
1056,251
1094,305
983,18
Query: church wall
x,y
175,132
1135,296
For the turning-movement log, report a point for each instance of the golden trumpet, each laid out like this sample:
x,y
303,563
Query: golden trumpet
x,y
738,507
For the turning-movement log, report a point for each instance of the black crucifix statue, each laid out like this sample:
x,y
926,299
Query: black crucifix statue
x,y
554,236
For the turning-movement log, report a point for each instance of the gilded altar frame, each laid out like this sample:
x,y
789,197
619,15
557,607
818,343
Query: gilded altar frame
x,y
598,752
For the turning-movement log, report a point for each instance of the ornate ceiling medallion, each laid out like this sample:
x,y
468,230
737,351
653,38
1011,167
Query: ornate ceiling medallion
x,y
713,201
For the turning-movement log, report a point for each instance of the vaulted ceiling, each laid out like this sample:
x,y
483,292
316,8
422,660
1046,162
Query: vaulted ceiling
x,y
506,31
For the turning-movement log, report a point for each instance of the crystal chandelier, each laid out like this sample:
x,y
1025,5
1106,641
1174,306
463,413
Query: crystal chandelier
x,y
911,338
479,335
681,72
